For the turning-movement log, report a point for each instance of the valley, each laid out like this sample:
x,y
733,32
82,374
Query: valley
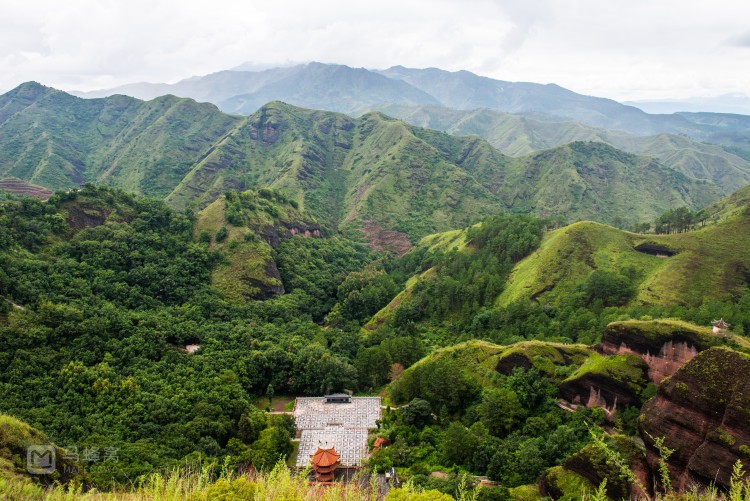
x,y
511,291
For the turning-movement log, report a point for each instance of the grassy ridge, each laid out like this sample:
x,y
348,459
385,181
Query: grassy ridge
x,y
709,263
244,227
479,361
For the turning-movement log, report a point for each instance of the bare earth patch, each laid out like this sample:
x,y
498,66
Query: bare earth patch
x,y
381,239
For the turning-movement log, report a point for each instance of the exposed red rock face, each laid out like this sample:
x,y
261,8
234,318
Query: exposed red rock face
x,y
381,239
609,383
305,232
266,131
671,357
663,350
603,391
274,235
703,413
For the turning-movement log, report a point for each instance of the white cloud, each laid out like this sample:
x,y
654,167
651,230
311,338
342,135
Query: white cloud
x,y
625,50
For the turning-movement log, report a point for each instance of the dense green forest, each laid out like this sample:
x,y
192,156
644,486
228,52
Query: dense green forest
x,y
102,291
95,319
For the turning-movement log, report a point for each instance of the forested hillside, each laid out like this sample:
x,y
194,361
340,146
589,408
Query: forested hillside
x,y
103,292
391,182
570,282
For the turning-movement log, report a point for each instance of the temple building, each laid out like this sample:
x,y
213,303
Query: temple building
x,y
338,398
324,463
720,326
334,429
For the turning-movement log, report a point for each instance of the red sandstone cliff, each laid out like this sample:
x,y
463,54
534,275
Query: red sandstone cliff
x,y
665,345
703,413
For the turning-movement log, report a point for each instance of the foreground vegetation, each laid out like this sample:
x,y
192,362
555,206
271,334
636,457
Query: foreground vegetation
x,y
102,292
181,485
280,484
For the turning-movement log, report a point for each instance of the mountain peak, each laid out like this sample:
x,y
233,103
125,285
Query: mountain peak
x,y
30,89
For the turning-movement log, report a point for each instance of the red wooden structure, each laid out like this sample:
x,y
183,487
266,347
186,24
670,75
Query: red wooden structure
x,y
324,464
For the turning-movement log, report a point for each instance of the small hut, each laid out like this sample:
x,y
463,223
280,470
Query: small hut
x,y
324,463
720,326
338,398
381,443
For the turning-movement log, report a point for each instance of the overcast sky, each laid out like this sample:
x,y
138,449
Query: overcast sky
x,y
623,49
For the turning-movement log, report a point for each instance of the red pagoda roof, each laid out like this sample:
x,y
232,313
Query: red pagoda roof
x,y
324,458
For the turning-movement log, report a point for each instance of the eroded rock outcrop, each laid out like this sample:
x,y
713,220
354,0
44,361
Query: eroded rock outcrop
x,y
665,345
274,234
611,383
703,413
585,470
269,284
545,357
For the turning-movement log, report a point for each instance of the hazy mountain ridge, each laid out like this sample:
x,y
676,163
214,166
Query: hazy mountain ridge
x,y
726,103
345,89
314,85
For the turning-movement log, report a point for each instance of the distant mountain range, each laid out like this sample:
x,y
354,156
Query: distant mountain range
x,y
516,135
372,173
357,90
728,103
314,85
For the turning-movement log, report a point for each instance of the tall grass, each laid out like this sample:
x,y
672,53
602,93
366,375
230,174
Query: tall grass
x,y
739,490
187,485
282,484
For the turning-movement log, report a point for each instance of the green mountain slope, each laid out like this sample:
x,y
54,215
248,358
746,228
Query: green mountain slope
x,y
245,227
59,141
581,179
517,135
707,263
16,437
377,172
372,173
488,278
393,181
